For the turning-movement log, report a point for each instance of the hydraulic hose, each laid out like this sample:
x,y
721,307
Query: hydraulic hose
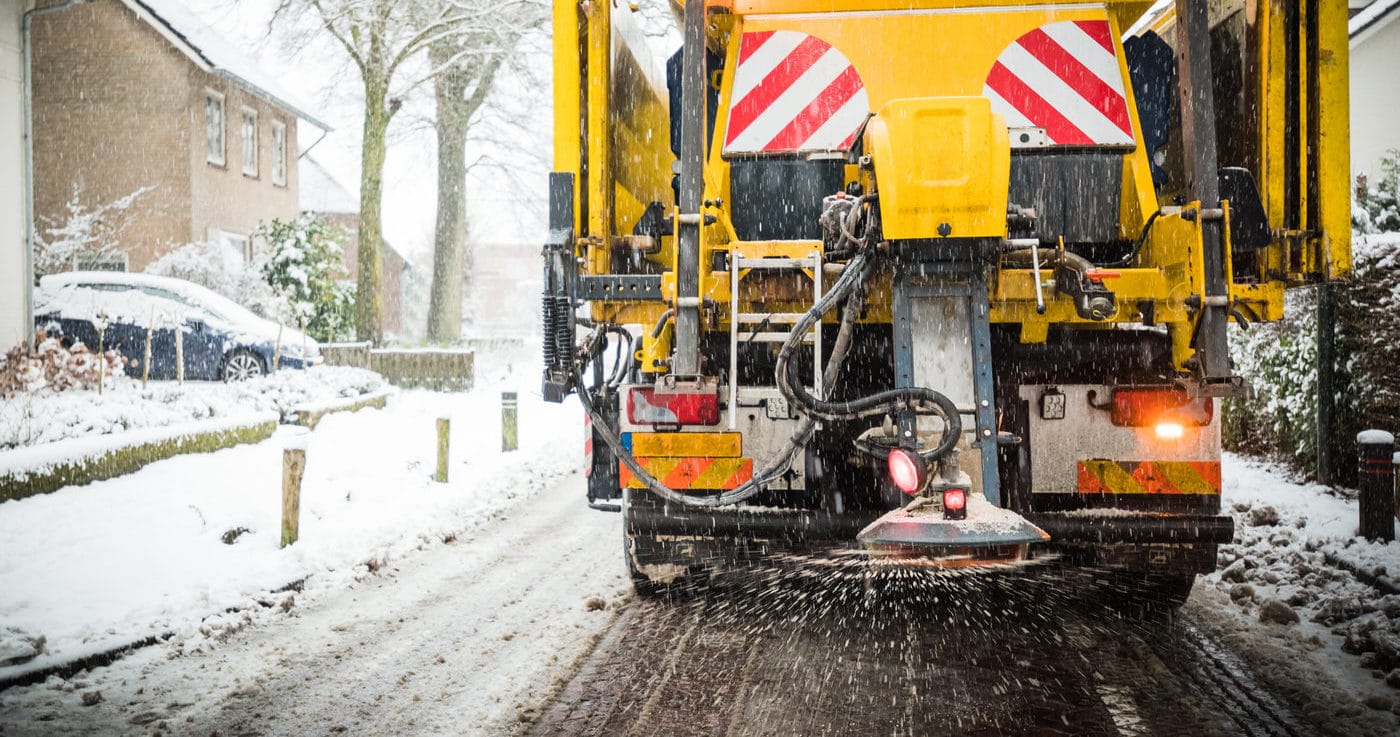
x,y
853,276
881,402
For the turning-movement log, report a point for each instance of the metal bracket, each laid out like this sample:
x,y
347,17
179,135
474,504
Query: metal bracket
x,y
630,288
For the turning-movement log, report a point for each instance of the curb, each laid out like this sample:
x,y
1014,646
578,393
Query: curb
x,y
107,657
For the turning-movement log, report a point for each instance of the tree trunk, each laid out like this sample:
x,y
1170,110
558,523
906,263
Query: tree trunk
x,y
445,299
369,324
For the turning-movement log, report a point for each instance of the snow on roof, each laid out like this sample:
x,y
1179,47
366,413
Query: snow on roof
x,y
1373,14
319,191
212,52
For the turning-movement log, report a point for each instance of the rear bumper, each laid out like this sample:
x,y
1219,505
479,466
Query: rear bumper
x,y
811,526
1135,528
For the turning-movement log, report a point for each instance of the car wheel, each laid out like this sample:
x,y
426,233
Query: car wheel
x,y
242,365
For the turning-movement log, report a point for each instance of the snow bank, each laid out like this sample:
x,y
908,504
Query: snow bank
x,y
89,568
47,417
22,463
1296,548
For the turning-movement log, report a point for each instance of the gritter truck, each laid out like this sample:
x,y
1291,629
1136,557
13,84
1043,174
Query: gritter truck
x,y
945,281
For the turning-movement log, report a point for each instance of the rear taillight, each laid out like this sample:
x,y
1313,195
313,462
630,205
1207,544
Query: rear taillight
x,y
647,406
1143,407
955,503
907,470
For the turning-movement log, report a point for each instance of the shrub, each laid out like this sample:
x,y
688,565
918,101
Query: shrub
x,y
85,233
51,366
303,265
221,268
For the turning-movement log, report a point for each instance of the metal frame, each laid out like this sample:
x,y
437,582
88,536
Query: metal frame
x,y
965,281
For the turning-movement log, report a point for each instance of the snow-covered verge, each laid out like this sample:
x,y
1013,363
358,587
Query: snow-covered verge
x,y
1297,564
40,469
161,550
37,418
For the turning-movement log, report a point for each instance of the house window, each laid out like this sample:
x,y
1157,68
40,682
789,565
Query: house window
x,y
214,127
250,142
279,153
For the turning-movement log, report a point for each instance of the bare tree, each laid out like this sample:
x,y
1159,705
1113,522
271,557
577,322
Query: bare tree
x,y
465,66
381,37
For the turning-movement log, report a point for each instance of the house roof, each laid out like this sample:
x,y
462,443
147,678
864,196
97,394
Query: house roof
x,y
1378,12
318,191
215,54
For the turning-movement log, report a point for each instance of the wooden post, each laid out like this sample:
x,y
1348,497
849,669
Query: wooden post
x,y
277,350
180,351
510,426
444,426
101,359
146,359
293,465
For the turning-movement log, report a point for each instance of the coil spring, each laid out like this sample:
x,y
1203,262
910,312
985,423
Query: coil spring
x,y
554,313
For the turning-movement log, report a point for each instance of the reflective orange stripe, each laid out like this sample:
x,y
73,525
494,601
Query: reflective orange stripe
x,y
1149,477
691,473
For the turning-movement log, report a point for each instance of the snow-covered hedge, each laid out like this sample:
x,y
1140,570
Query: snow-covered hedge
x,y
45,468
1281,362
45,417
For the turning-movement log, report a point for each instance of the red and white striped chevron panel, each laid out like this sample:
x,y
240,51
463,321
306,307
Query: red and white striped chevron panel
x,y
1063,77
793,92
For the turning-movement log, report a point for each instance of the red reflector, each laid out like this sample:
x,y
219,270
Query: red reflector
x,y
1151,407
650,407
907,470
954,503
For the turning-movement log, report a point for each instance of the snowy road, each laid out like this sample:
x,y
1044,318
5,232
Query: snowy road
x,y
789,652
462,639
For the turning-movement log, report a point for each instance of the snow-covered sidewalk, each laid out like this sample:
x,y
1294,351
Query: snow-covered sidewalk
x,y
1296,563
89,568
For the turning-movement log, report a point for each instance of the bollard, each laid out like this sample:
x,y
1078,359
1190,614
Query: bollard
x,y
1395,461
293,465
1376,484
510,428
444,427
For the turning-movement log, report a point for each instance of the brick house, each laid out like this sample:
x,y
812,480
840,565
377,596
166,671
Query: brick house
x,y
321,194
141,93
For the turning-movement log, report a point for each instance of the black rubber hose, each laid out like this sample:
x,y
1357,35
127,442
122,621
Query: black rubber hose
x,y
1141,240
891,400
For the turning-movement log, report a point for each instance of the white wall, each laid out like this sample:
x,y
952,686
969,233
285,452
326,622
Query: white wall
x,y
13,286
1375,96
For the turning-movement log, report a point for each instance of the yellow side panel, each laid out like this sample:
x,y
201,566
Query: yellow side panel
x,y
942,167
679,444
567,63
1334,136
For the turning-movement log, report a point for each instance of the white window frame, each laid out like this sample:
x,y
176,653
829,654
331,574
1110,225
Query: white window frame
x,y
220,157
250,168
279,153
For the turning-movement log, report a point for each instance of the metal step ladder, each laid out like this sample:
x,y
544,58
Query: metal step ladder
x,y
740,267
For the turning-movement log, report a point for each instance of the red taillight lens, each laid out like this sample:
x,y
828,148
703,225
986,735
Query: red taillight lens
x,y
650,407
954,503
1151,407
907,470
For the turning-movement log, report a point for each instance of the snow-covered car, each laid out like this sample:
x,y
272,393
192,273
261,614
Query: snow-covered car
x,y
221,340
